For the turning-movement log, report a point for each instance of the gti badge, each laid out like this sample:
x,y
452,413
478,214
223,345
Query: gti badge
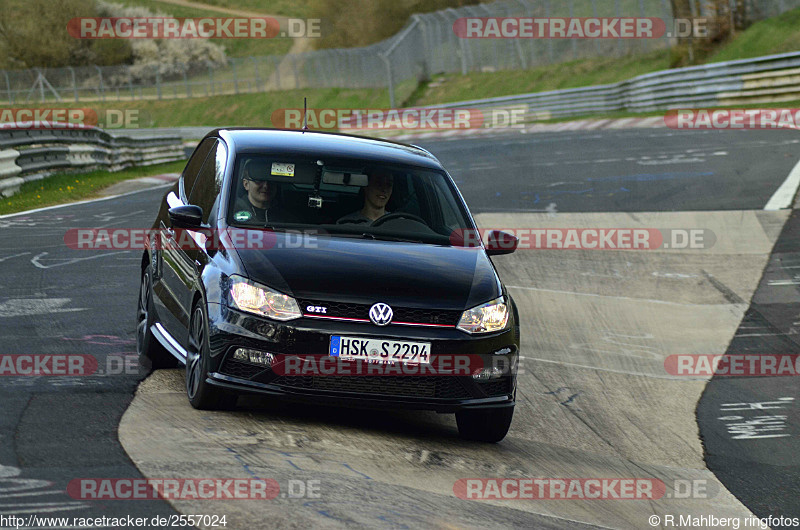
x,y
380,314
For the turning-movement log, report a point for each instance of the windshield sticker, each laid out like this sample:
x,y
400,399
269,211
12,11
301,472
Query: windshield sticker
x,y
242,216
282,170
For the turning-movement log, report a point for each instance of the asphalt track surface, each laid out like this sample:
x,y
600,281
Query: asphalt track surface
x,y
750,425
56,300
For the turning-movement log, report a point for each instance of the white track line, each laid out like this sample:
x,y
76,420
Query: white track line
x,y
782,198
629,298
613,371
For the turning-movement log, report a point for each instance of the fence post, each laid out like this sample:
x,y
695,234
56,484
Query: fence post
x,y
74,83
211,80
574,42
158,82
693,7
389,78
186,83
255,71
495,44
426,47
235,79
364,66
440,65
518,46
294,68
596,41
8,87
618,14
277,71
547,13
642,13
463,46
100,88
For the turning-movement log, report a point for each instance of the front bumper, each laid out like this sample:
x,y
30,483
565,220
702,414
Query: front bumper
x,y
231,329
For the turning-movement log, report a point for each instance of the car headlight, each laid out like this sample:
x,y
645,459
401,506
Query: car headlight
x,y
253,298
485,318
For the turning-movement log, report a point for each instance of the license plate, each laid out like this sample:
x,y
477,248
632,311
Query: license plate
x,y
380,350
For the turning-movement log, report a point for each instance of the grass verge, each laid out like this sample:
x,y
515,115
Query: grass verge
x,y
70,187
478,85
250,110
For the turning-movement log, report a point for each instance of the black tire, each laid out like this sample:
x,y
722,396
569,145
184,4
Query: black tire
x,y
151,352
484,425
202,395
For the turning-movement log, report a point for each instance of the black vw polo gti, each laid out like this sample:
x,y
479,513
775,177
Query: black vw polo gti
x,y
332,269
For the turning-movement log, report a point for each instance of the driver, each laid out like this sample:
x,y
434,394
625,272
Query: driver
x,y
257,205
376,194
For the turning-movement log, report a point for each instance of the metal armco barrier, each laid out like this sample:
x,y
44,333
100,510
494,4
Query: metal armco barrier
x,y
771,79
31,154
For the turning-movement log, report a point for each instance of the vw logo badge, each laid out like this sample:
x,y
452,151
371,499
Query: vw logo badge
x,y
380,314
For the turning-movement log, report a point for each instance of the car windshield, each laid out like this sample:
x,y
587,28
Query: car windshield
x,y
347,198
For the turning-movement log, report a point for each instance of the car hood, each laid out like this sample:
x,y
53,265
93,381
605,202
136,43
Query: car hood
x,y
370,271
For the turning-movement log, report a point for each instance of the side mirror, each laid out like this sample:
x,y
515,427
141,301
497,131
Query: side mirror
x,y
189,217
499,243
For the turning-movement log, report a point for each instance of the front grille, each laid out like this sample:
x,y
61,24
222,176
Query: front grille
x,y
240,369
496,388
401,314
443,387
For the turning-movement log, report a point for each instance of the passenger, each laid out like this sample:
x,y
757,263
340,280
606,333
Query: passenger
x,y
376,194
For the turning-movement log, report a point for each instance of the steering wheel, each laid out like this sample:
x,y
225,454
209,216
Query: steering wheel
x,y
351,221
399,215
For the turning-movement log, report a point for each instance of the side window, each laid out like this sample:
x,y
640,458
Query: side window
x,y
193,166
442,204
205,192
449,215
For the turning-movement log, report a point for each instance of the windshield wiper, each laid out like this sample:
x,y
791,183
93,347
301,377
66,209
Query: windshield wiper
x,y
381,237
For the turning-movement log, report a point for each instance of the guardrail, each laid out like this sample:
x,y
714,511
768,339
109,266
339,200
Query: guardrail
x,y
769,79
31,154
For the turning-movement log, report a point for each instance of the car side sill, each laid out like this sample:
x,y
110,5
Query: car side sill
x,y
169,342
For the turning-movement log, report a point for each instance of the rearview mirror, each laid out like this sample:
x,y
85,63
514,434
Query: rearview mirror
x,y
189,217
344,178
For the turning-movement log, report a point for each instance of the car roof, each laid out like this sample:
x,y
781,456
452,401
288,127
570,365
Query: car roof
x,y
324,144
